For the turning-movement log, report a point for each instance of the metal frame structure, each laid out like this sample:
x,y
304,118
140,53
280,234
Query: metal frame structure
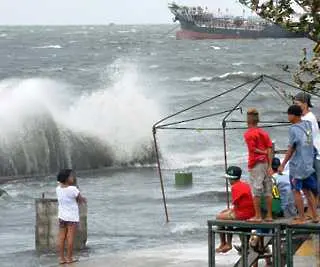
x,y
225,124
282,238
275,236
292,230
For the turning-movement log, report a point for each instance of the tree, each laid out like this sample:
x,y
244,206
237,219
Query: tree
x,y
298,16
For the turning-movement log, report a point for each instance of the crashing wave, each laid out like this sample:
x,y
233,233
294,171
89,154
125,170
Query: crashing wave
x,y
46,125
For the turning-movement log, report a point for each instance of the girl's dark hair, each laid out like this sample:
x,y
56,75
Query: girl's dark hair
x,y
63,175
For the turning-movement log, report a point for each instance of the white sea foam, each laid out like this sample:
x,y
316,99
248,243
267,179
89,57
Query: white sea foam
x,y
216,47
120,115
228,74
199,79
182,228
48,47
128,31
238,63
153,66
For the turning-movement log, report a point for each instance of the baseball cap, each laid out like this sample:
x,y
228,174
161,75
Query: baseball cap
x,y
304,98
233,172
295,110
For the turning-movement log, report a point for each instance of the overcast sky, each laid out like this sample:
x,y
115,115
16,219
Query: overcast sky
x,y
98,11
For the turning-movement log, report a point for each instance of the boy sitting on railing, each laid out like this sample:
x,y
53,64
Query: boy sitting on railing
x,y
242,202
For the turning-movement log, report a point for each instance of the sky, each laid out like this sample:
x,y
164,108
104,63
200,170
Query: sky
x,y
62,12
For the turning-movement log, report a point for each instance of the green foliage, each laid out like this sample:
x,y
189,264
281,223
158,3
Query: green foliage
x,y
298,16
294,15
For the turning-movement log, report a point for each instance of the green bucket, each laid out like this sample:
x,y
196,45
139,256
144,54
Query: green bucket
x,y
183,179
276,206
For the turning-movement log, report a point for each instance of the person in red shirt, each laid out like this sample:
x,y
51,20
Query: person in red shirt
x,y
259,164
242,205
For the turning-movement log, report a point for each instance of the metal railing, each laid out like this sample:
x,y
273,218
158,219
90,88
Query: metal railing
x,y
238,229
282,236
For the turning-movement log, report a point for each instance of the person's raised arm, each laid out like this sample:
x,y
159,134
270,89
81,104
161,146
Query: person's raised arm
x,y
81,199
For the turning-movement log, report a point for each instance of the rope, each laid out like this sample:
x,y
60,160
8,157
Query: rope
x,y
197,118
206,101
282,124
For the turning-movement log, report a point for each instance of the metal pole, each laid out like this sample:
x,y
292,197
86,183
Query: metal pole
x,y
278,246
289,247
274,248
244,250
225,160
160,173
210,249
213,253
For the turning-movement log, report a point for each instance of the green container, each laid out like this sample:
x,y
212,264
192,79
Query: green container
x,y
183,178
276,206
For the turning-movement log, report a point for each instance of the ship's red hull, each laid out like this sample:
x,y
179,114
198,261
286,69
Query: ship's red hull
x,y
192,35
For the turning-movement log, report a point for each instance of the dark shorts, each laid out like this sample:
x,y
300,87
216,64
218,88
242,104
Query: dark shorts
x,y
309,183
64,224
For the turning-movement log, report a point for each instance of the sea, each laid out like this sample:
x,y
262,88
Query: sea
x,y
87,97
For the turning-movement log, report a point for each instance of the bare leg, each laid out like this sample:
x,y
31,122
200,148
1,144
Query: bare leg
x,y
229,240
70,240
61,243
300,207
225,245
222,242
311,204
228,245
257,209
269,208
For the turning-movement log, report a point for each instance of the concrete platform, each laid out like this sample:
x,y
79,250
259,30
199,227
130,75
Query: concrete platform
x,y
166,256
174,259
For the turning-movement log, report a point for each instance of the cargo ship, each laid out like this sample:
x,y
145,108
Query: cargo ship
x,y
199,23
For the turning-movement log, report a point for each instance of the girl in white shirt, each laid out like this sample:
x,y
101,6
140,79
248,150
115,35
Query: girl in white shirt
x,y
68,213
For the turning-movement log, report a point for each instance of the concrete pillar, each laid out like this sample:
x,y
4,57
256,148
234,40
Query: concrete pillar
x,y
47,226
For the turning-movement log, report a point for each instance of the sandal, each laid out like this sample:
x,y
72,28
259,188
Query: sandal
x,y
297,221
268,219
71,261
254,220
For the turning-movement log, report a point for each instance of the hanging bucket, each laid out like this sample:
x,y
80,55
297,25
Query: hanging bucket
x,y
183,178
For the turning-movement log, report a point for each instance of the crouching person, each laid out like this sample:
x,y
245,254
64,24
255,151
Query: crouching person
x,y
242,205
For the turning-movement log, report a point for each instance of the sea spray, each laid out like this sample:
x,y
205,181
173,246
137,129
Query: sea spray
x,y
46,125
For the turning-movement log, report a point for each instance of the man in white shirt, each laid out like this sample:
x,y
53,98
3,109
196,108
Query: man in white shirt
x,y
303,100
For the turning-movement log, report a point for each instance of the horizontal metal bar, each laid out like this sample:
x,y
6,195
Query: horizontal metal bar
x,y
242,233
248,225
218,128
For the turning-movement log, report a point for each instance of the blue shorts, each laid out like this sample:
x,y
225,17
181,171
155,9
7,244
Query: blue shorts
x,y
309,183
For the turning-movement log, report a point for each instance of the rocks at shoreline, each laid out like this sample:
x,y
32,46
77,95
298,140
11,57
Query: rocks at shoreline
x,y
3,193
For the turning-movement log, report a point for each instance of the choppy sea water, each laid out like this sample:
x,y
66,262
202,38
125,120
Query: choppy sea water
x,y
87,97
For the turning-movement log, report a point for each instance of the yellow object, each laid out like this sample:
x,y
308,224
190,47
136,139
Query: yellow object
x,y
316,49
307,249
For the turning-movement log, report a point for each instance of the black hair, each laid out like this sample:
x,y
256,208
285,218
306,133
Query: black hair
x,y
275,164
63,175
295,110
